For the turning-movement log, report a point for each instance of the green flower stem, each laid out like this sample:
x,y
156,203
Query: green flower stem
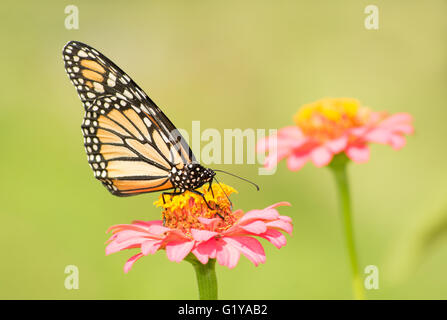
x,y
339,169
206,277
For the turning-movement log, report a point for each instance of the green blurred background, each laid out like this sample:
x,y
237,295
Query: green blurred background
x,y
229,64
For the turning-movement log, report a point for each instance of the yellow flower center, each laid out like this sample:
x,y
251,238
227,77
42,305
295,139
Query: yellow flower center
x,y
329,118
182,211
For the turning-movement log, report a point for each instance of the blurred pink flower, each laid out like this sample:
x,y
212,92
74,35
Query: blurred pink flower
x,y
331,126
190,227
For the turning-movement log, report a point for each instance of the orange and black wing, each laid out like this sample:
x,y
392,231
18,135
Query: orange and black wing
x,y
131,145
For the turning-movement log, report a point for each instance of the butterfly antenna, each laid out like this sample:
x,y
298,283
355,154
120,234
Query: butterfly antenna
x,y
228,198
231,174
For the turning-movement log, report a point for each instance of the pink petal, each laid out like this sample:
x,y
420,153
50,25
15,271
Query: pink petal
x,y
275,237
202,235
281,225
227,255
321,156
274,157
281,145
290,132
378,135
358,153
358,132
255,227
203,258
403,128
282,140
262,145
154,229
150,246
283,203
206,250
397,141
266,214
120,227
397,118
286,219
175,235
128,265
178,250
337,145
209,223
148,223
116,246
249,247
296,162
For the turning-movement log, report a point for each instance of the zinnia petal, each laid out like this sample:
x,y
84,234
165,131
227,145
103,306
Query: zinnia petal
x,y
275,237
266,214
255,227
337,145
397,141
128,265
227,255
296,161
205,250
278,204
178,250
249,247
150,246
358,153
321,156
378,135
116,246
281,225
397,118
202,235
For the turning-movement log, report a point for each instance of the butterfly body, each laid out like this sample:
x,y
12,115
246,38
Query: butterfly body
x,y
191,177
131,146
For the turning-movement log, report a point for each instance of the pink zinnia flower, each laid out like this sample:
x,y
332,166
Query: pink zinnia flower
x,y
331,126
191,227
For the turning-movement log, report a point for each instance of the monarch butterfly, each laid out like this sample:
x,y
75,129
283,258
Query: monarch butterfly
x,y
131,145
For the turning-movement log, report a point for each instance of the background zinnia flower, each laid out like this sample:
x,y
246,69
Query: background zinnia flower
x,y
331,126
330,132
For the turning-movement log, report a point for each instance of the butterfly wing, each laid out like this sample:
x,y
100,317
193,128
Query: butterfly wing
x,y
131,145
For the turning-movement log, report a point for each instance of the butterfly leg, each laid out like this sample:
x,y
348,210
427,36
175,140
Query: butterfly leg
x,y
210,188
175,193
212,192
231,203
207,204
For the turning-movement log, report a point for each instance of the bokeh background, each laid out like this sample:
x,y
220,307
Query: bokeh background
x,y
229,64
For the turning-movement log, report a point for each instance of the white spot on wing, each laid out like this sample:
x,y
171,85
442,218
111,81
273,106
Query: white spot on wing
x,y
128,94
110,82
147,122
82,54
144,108
98,87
